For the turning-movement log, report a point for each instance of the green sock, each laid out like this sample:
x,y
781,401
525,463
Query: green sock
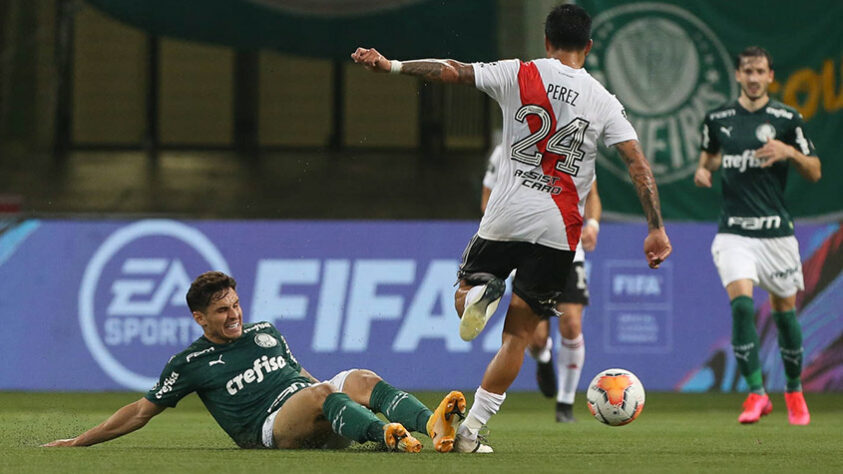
x,y
352,420
790,347
399,406
745,342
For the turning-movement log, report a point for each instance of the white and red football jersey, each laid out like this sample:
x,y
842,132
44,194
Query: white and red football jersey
x,y
490,179
553,116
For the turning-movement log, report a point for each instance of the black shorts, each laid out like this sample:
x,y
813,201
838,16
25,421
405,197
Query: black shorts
x,y
542,273
576,288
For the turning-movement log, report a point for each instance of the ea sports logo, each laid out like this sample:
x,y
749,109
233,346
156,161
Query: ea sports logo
x,y
131,302
667,68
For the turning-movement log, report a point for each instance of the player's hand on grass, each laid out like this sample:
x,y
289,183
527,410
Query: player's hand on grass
x,y
60,443
772,152
371,59
702,178
657,247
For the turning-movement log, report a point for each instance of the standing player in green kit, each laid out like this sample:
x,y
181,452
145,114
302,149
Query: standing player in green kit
x,y
755,140
262,397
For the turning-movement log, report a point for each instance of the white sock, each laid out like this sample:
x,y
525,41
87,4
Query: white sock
x,y
473,295
485,405
543,355
569,368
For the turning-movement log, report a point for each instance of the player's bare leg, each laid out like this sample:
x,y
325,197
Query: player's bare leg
x,y
570,359
541,349
790,347
301,423
518,329
539,339
359,385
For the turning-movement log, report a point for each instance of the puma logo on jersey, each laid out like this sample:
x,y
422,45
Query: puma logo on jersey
x,y
218,361
742,351
727,131
794,356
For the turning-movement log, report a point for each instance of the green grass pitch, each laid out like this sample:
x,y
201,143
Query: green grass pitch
x,y
675,433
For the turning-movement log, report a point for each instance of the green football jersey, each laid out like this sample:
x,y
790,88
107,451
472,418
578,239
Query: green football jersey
x,y
753,197
240,383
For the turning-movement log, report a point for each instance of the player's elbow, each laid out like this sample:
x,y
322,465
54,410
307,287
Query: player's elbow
x,y
456,72
450,75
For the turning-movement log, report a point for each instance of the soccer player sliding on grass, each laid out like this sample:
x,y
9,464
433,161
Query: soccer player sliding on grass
x,y
262,397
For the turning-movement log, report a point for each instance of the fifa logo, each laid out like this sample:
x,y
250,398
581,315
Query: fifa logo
x,y
636,285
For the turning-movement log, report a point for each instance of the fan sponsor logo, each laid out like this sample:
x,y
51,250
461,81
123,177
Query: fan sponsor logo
x,y
755,223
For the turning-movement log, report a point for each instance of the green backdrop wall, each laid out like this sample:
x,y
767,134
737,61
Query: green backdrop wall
x,y
398,28
669,62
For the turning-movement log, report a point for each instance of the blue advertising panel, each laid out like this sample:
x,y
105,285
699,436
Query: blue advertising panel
x,y
99,305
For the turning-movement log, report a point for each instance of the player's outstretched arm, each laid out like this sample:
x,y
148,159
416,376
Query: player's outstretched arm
x,y
656,245
434,70
125,420
708,162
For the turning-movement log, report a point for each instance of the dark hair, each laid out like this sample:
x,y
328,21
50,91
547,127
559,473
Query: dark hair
x,y
206,288
753,52
568,27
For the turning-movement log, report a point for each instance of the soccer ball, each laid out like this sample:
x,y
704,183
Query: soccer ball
x,y
615,397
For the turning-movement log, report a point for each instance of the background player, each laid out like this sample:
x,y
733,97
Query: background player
x,y
755,139
572,302
262,397
553,114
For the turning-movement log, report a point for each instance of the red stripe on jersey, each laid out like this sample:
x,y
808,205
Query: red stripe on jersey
x,y
533,92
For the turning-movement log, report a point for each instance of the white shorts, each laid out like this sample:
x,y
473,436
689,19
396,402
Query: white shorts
x,y
338,381
772,263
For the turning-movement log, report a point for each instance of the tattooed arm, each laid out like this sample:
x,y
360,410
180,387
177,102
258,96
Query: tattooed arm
x,y
643,180
656,245
435,70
